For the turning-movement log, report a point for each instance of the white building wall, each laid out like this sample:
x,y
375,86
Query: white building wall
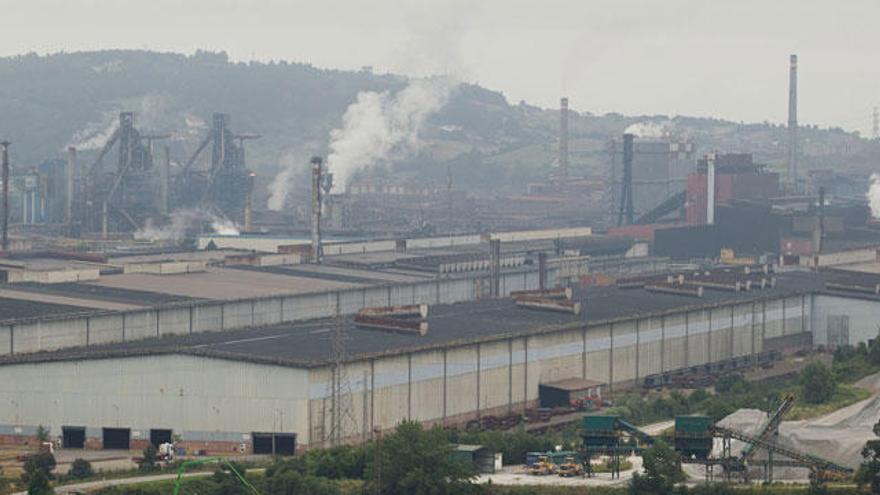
x,y
199,398
862,317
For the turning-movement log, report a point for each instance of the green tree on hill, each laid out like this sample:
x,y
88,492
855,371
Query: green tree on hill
x,y
817,383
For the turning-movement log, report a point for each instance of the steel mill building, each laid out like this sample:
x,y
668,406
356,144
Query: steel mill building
x,y
285,386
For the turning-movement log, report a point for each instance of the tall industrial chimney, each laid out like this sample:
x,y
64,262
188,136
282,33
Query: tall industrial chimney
x,y
317,250
249,203
626,197
4,240
710,188
792,123
165,178
563,138
69,178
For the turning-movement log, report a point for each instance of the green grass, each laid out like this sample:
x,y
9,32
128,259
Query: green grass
x,y
845,395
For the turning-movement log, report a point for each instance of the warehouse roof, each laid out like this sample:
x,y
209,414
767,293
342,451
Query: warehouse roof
x,y
310,343
11,308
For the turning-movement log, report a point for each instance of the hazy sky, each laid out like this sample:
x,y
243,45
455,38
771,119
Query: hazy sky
x,y
726,58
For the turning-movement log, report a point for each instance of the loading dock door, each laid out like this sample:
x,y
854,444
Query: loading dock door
x,y
117,438
274,443
285,444
73,437
262,443
158,437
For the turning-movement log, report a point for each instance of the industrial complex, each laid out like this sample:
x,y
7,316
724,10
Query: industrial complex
x,y
150,301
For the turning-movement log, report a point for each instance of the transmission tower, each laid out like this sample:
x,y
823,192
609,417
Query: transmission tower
x,y
339,388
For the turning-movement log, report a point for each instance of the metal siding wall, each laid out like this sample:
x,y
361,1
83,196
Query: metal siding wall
x,y
862,315
140,325
267,312
598,345
721,334
773,319
698,337
179,392
675,350
5,340
207,318
742,330
174,321
650,346
794,316
391,393
623,354
426,400
105,329
518,370
461,380
238,314
556,356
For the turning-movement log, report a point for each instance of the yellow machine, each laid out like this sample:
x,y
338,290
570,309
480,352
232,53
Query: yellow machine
x,y
543,466
570,467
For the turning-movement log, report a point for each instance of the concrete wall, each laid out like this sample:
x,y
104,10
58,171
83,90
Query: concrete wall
x,y
199,398
52,333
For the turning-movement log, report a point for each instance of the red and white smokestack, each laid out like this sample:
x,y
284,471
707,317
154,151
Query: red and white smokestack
x,y
563,138
710,188
792,122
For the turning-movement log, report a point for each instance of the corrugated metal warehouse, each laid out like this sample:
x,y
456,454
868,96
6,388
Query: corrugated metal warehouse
x,y
265,385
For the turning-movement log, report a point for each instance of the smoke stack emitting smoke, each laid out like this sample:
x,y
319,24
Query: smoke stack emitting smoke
x,y
376,129
380,126
183,220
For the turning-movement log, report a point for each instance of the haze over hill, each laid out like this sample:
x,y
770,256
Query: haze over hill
x,y
49,102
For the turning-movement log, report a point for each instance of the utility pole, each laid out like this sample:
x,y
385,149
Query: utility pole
x,y
4,243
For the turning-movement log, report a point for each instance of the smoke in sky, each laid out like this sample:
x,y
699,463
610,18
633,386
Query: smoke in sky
x,y
182,221
649,129
380,127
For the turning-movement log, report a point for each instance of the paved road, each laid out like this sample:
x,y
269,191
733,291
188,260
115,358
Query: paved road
x,y
97,485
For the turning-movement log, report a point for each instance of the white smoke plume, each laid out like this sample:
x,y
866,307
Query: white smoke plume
x,y
182,221
149,112
379,127
280,188
873,195
649,129
293,164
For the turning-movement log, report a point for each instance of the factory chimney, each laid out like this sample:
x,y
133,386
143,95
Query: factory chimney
x,y
626,199
792,123
563,139
4,241
165,179
317,250
248,203
710,188
69,178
